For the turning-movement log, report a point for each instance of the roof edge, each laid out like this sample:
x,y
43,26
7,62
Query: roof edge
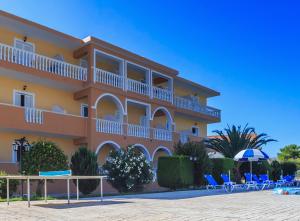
x,y
39,26
209,91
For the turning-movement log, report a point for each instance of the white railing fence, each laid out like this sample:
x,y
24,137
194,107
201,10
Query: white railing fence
x,y
110,127
106,77
183,103
189,105
138,87
43,63
34,116
162,134
138,131
162,94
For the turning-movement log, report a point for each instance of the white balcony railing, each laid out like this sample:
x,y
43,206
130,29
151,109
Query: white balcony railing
x,y
110,127
162,134
138,131
42,63
187,104
162,94
106,77
138,87
34,116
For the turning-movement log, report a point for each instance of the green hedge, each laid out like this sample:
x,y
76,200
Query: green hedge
x,y
221,165
175,172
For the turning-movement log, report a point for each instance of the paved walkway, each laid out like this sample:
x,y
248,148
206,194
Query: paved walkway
x,y
186,205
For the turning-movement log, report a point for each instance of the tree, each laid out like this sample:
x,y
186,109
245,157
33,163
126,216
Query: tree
x,y
198,154
128,170
235,138
43,156
84,162
289,152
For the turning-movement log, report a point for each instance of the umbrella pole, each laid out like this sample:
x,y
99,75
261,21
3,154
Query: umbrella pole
x,y
251,170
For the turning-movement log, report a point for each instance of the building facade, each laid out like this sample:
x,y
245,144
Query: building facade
x,y
88,92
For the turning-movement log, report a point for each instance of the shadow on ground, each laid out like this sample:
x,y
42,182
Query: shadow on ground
x,y
178,195
79,204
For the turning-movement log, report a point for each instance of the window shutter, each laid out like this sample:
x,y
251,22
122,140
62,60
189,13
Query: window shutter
x,y
17,99
28,101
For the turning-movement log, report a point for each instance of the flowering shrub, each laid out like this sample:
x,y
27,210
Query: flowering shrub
x,y
128,170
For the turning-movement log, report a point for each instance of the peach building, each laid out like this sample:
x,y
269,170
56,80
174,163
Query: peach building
x,y
89,92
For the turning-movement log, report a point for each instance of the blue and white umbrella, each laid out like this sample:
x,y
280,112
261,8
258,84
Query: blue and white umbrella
x,y
250,155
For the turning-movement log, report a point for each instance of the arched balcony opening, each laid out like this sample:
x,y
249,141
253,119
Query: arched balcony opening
x,y
109,114
104,149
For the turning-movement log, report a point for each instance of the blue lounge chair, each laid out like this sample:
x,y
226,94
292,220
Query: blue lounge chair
x,y
229,184
260,183
289,180
250,182
265,179
212,183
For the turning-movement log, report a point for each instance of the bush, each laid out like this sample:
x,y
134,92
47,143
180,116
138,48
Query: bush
x,y
221,165
175,172
84,162
276,170
197,152
43,156
128,170
288,168
13,185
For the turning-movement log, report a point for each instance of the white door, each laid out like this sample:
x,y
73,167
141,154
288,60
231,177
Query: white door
x,y
23,99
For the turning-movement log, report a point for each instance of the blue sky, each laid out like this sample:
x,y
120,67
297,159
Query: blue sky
x,y
247,50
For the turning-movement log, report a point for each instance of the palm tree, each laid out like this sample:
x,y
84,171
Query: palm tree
x,y
235,138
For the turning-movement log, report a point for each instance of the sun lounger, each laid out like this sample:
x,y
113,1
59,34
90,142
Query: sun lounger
x,y
250,182
229,184
212,183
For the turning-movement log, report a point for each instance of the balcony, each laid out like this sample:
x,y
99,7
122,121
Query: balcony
x,y
187,104
42,63
138,131
109,78
110,127
138,87
162,134
133,130
41,121
162,94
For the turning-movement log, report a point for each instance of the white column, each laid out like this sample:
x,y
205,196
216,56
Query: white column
x,y
123,73
94,66
151,83
171,87
125,86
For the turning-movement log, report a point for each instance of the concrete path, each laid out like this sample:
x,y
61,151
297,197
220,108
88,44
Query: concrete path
x,y
185,205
